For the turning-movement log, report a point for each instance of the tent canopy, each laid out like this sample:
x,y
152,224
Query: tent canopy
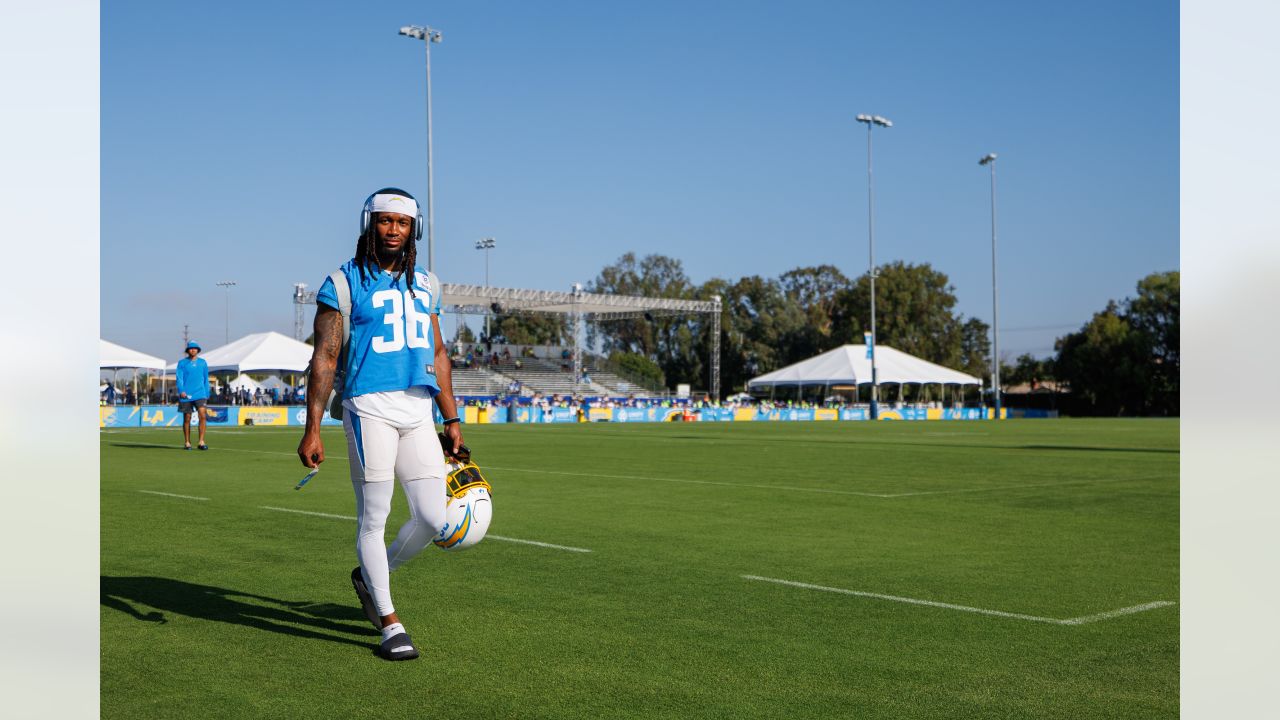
x,y
244,382
259,352
117,357
849,365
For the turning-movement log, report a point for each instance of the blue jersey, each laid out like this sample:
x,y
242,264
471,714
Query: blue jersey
x,y
193,378
392,344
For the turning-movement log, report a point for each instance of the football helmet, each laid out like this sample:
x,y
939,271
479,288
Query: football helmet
x,y
468,510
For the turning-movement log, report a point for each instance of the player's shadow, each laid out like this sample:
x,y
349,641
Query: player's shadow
x,y
319,621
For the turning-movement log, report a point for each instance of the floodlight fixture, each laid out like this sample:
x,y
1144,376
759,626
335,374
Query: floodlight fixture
x,y
419,32
988,158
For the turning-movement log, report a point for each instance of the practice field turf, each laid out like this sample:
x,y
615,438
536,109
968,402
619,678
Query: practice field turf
x,y
1022,569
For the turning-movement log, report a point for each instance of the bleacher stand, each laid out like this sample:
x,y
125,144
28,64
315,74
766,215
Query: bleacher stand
x,y
549,377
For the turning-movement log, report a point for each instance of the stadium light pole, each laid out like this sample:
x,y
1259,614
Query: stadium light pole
x,y
227,285
872,120
486,244
990,160
428,36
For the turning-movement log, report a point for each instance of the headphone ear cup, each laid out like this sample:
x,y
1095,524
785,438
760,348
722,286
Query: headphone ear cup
x,y
365,214
419,226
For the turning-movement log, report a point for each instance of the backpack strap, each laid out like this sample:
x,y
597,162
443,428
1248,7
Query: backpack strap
x,y
342,289
435,288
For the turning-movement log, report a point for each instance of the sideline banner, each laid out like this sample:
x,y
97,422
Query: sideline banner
x,y
265,416
119,416
169,416
560,415
630,414
297,415
785,414
133,416
964,414
528,414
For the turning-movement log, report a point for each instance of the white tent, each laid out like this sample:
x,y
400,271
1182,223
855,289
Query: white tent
x,y
267,352
117,357
273,382
849,365
244,382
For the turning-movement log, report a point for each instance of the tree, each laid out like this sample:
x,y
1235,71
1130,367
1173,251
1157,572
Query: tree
x,y
757,323
1155,314
1027,369
913,314
1125,360
813,293
639,368
668,340
531,329
1105,365
975,349
464,334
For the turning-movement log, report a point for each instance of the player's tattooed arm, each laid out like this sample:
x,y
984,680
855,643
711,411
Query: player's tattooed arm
x,y
324,364
444,378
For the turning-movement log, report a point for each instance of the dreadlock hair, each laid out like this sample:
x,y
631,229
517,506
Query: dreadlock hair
x,y
367,253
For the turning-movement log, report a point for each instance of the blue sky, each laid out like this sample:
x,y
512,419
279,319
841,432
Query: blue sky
x,y
238,141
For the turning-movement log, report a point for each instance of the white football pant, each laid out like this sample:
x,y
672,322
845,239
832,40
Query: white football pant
x,y
378,453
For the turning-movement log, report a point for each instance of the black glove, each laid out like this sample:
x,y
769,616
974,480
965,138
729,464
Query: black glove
x,y
462,457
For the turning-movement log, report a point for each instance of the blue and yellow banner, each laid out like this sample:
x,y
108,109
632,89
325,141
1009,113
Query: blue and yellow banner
x,y
121,416
265,416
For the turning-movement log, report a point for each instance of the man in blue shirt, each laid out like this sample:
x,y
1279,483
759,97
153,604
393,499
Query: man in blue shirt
x,y
193,392
396,371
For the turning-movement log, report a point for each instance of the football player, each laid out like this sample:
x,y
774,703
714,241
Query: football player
x,y
396,368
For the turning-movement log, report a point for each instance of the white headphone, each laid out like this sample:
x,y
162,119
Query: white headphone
x,y
366,214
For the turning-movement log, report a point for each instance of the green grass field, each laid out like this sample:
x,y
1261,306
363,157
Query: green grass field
x,y
219,607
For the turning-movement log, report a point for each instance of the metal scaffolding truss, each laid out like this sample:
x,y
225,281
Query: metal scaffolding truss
x,y
551,301
580,306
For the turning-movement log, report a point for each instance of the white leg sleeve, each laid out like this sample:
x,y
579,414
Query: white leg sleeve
x,y
420,467
371,446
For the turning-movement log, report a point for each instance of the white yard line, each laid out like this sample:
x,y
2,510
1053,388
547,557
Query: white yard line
x,y
309,512
1117,613
1018,487
184,497
755,486
965,608
539,544
493,537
